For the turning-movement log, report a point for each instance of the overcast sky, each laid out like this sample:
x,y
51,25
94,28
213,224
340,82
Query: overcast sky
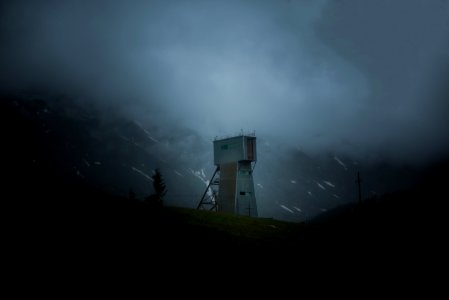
x,y
368,78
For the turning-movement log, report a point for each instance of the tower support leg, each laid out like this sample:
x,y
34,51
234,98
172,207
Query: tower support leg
x,y
209,200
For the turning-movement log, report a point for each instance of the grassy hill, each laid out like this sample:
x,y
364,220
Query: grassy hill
x,y
54,219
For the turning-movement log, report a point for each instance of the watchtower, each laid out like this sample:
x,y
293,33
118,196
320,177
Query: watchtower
x,y
231,188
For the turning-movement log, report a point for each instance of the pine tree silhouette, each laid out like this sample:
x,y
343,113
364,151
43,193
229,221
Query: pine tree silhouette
x,y
160,190
159,185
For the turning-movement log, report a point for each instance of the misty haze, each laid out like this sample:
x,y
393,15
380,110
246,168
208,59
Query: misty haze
x,y
97,95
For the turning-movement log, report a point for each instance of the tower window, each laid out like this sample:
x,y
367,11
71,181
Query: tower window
x,y
242,193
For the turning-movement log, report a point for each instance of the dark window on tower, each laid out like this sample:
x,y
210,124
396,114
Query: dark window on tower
x,y
242,193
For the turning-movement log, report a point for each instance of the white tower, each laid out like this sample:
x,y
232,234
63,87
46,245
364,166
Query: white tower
x,y
234,159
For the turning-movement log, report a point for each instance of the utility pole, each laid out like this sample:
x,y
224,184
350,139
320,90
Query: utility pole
x,y
359,188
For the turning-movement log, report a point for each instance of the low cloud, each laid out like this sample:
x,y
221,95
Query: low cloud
x,y
362,78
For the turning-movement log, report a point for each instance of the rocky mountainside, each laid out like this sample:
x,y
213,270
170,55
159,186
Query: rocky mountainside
x,y
55,137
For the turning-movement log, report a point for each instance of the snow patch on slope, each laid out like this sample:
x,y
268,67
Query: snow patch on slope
x,y
86,162
142,173
340,162
178,173
200,175
298,209
329,183
146,132
287,209
320,186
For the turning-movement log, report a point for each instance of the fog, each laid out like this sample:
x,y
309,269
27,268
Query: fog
x,y
362,78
